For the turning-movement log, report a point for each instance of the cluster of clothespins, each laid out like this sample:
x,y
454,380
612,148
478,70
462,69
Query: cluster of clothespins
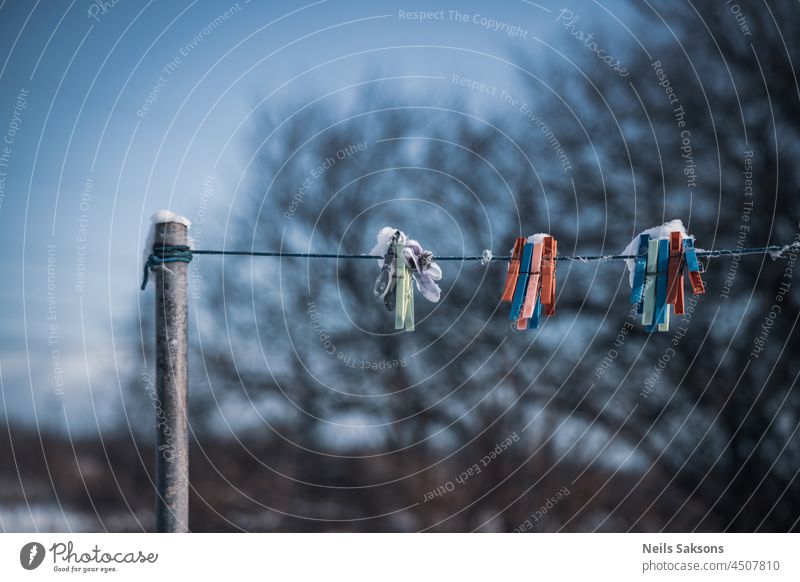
x,y
531,280
658,259
658,277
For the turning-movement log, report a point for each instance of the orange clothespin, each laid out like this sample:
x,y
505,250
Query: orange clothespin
x,y
675,294
549,253
513,270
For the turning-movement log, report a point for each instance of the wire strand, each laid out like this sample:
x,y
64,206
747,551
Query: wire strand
x,y
776,251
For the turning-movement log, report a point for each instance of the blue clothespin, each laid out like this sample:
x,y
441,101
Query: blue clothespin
x,y
522,282
637,290
691,257
661,281
537,314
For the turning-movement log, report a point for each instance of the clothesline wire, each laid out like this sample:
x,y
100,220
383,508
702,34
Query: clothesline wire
x,y
775,250
182,253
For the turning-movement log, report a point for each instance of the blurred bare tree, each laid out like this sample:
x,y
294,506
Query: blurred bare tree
x,y
702,433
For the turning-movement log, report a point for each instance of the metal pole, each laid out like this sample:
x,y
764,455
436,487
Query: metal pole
x,y
172,385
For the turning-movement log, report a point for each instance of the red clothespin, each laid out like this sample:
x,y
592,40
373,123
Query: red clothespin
x,y
513,270
675,294
549,253
694,267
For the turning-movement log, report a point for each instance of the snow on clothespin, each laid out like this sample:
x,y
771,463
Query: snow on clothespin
x,y
404,264
531,280
662,253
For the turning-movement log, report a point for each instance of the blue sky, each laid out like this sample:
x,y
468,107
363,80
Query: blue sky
x,y
120,109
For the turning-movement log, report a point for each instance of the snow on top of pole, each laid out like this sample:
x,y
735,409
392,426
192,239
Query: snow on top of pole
x,y
169,216
158,218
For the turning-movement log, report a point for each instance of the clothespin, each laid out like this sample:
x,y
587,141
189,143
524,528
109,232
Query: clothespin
x,y
534,280
637,289
548,294
522,281
400,293
404,307
409,289
675,295
693,266
662,309
649,300
537,314
513,270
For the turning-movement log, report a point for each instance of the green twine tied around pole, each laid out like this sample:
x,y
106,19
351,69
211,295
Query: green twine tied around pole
x,y
165,254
